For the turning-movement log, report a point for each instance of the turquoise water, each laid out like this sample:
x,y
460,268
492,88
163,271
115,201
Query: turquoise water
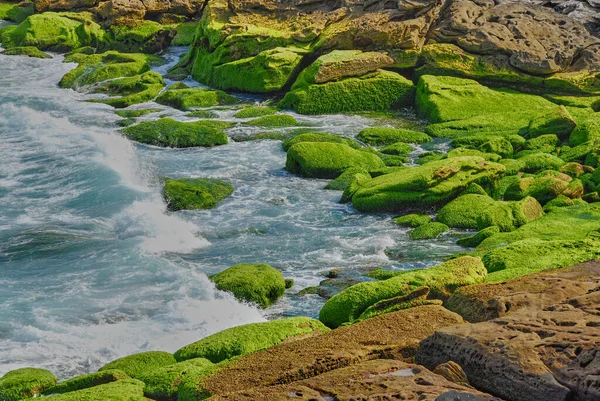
x,y
93,267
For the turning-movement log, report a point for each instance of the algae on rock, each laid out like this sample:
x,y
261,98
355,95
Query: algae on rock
x,y
170,133
195,193
25,383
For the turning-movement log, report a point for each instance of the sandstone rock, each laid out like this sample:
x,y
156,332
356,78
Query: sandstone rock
x,y
453,372
535,353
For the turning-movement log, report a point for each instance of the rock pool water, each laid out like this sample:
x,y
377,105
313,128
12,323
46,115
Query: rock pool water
x,y
93,267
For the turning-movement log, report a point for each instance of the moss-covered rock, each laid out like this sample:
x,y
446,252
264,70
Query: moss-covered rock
x,y
195,193
507,125
170,133
121,390
346,178
433,183
249,338
412,220
53,31
319,137
587,152
537,162
428,231
544,143
163,383
397,149
499,146
137,365
16,12
87,381
258,283
442,99
358,180
559,201
275,121
327,160
386,136
188,98
585,131
135,113
508,216
141,36
476,141
544,187
442,280
464,211
132,90
94,68
557,121
416,298
462,152
185,34
377,91
474,240
25,383
28,51
256,111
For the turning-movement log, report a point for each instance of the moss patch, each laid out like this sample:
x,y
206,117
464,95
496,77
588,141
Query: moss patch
x,y
87,381
346,178
246,339
188,98
319,137
275,121
170,133
428,231
195,193
258,283
28,51
139,364
464,211
387,136
412,220
256,111
442,280
132,90
16,12
163,383
121,390
25,383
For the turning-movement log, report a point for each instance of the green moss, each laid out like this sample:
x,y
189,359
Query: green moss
x,y
256,111
543,187
397,149
96,68
346,178
414,299
355,184
170,133
327,160
476,141
249,338
163,383
386,136
463,211
428,231
508,216
431,184
537,162
137,36
209,114
442,280
126,122
573,169
496,124
87,381
499,146
16,12
185,34
557,121
121,390
195,193
139,364
586,152
319,137
412,220
135,113
132,90
25,383
544,143
192,387
474,240
378,91
275,121
53,31
462,152
28,51
442,99
188,98
258,283
269,71
585,131
559,201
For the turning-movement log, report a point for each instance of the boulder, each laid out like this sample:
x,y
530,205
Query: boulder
x,y
167,132
379,136
163,383
412,220
188,98
319,137
258,283
428,231
87,381
131,90
137,365
25,383
249,338
195,193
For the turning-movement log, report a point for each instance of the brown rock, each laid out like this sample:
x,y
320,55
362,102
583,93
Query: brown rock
x,y
534,353
394,335
453,372
477,303
350,64
370,380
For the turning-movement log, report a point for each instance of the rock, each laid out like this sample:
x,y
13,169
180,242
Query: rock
x,y
386,136
424,186
416,298
327,160
482,302
87,381
341,64
453,372
140,364
544,143
532,353
428,231
256,111
195,193
396,334
541,161
482,235
544,187
258,283
250,338
138,37
509,216
25,383
441,279
188,98
133,90
412,220
319,137
163,383
121,390
398,149
464,211
275,121
170,133
558,121
28,51
586,131
17,12
378,91
348,177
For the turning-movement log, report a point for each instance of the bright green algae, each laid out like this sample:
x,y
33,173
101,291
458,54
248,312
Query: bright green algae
x,y
256,111
170,133
163,383
274,121
25,383
442,280
386,136
428,231
246,339
258,283
28,51
319,137
195,193
87,381
188,98
16,12
121,390
138,364
132,90
412,220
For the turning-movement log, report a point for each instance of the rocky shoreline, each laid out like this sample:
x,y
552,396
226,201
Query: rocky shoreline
x,y
513,87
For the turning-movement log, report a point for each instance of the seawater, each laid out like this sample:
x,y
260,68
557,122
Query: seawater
x,y
92,265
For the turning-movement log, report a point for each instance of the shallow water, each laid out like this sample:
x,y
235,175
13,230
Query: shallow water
x,y
93,267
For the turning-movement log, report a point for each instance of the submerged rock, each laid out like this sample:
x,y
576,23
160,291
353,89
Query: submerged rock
x,y
170,133
132,90
188,98
387,136
258,283
320,137
195,193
